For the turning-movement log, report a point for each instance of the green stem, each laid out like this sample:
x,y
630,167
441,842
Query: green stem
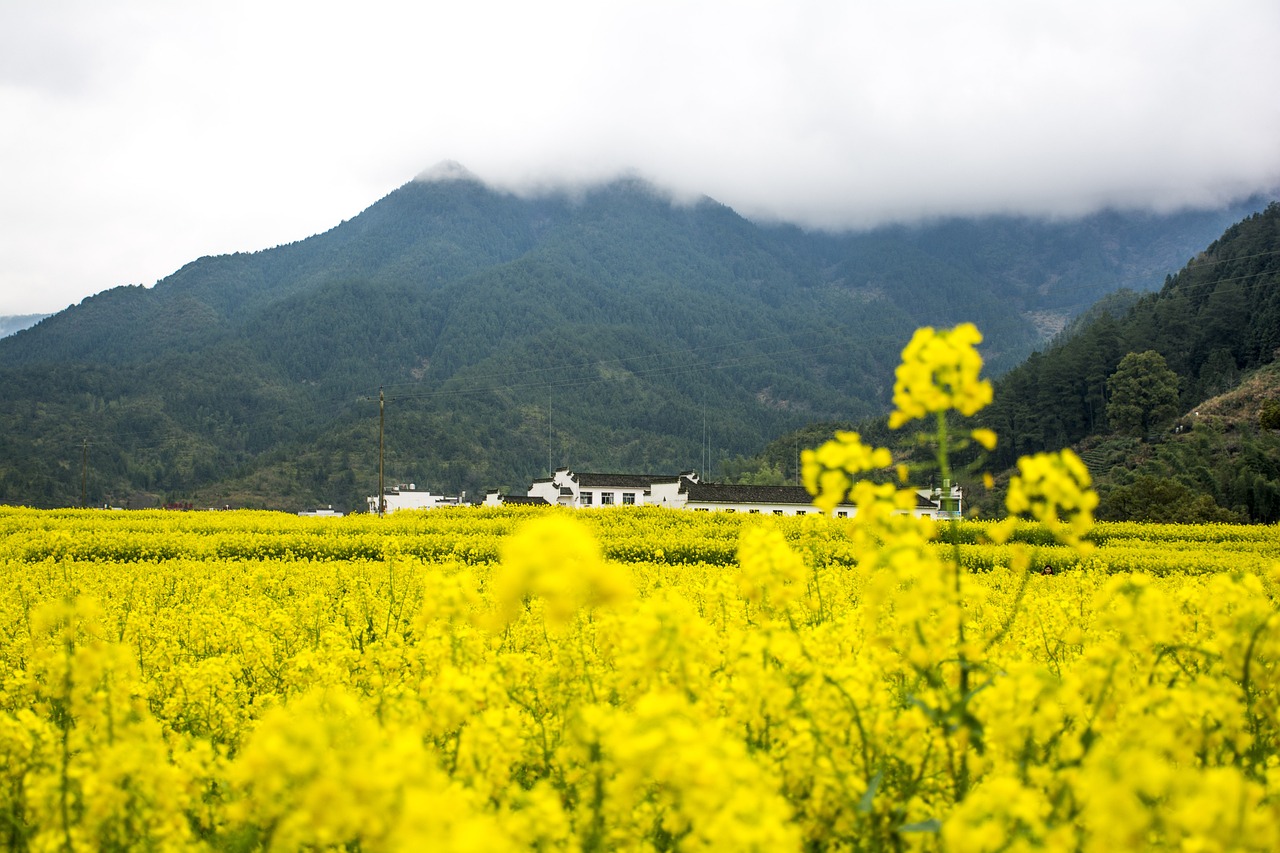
x,y
961,774
68,688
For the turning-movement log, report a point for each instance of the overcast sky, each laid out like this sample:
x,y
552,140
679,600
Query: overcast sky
x,y
138,135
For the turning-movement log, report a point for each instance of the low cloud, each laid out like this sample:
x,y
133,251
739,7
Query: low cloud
x,y
146,134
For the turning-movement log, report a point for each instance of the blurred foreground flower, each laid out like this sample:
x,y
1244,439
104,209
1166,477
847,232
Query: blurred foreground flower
x,y
556,558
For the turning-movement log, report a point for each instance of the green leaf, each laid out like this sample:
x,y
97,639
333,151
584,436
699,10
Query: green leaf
x,y
865,804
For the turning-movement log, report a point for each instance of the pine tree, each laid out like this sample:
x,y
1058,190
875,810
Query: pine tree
x,y
1143,392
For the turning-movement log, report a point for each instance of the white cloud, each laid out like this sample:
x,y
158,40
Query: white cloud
x,y
145,133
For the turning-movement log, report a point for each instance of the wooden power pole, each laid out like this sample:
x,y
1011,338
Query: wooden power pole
x,y
382,419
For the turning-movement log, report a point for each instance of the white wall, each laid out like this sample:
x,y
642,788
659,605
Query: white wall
x,y
411,498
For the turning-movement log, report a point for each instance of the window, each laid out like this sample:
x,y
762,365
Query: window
x,y
777,512
730,509
587,498
754,511
799,512
606,499
628,498
700,509
842,514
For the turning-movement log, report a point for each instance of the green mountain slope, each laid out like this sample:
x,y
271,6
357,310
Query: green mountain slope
x,y
1216,325
612,330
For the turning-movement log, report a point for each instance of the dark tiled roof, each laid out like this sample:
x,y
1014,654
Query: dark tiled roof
x,y
523,499
731,494
622,481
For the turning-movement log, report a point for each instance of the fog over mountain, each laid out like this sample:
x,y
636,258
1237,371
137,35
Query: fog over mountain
x,y
9,325
611,328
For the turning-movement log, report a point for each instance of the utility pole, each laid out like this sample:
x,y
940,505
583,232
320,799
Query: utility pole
x,y
382,419
84,475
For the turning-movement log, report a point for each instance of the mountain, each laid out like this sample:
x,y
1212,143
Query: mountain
x,y
613,329
1216,326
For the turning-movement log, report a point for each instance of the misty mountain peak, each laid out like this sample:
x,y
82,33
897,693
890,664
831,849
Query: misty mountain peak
x,y
447,170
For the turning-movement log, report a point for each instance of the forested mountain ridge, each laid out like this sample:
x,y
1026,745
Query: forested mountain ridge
x,y
613,330
1214,330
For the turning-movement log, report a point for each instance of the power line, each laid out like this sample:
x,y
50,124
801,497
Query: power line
x,y
527,372
662,370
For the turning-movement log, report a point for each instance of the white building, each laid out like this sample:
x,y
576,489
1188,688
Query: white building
x,y
686,491
586,490
408,496
322,512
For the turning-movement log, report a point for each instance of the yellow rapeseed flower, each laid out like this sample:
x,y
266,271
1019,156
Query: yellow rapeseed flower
x,y
556,558
769,571
828,471
1056,490
985,437
939,371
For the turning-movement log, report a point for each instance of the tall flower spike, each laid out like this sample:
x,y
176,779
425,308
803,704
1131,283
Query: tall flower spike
x,y
939,371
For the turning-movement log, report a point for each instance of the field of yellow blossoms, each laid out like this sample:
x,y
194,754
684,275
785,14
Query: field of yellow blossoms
x,y
644,679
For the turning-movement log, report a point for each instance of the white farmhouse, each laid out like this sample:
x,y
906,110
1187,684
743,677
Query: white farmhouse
x,y
580,490
322,512
586,490
408,496
494,497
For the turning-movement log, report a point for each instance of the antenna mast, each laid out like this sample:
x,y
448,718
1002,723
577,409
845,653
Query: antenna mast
x,y
706,456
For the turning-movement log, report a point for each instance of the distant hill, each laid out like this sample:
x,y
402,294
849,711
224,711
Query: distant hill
x,y
17,322
610,330
1216,325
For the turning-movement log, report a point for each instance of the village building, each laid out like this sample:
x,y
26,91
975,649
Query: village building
x,y
587,490
582,490
409,496
322,512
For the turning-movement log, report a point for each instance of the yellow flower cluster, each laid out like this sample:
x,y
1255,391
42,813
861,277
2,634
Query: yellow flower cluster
x,y
556,559
829,471
939,372
1055,489
769,572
